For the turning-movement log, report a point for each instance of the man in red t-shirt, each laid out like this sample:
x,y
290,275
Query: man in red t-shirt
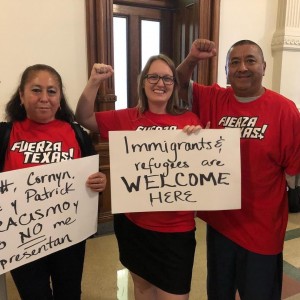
x,y
244,247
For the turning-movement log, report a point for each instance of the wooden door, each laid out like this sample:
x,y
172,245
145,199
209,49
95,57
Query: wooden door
x,y
135,12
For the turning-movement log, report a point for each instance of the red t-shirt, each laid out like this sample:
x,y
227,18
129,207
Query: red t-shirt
x,y
270,147
32,144
130,119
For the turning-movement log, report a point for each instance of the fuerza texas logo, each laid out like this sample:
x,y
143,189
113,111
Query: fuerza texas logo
x,y
249,130
43,152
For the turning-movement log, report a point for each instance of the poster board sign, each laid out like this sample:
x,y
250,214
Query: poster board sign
x,y
169,170
44,209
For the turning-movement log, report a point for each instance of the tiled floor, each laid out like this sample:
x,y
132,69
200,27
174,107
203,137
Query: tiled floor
x,y
291,256
106,279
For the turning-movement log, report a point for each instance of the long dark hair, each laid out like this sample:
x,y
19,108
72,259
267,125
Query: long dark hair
x,y
16,112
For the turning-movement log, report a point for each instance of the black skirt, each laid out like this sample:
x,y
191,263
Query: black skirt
x,y
163,259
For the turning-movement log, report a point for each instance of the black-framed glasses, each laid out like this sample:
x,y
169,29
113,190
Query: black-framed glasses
x,y
154,78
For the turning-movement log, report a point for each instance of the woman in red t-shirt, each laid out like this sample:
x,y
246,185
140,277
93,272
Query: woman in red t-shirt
x,y
157,247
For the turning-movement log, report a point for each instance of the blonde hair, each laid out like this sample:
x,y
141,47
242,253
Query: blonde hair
x,y
173,105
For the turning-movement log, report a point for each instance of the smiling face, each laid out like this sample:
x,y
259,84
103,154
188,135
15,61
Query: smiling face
x,y
158,93
41,96
245,69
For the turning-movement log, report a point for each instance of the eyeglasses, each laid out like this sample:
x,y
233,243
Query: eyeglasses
x,y
154,78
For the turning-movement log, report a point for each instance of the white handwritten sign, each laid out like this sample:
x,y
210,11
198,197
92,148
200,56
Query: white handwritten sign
x,y
44,209
171,171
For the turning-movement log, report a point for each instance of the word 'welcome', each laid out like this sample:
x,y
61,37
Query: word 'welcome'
x,y
171,171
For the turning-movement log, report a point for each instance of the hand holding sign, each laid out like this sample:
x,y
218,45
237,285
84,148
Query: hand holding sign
x,y
155,171
45,209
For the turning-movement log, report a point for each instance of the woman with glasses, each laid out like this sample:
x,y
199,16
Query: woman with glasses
x,y
157,247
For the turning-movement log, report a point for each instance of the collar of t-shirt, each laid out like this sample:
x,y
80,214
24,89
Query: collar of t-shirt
x,y
246,99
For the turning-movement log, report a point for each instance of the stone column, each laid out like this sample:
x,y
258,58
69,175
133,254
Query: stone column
x,y
286,50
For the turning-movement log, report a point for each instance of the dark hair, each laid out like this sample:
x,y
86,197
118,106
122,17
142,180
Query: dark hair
x,y
173,105
244,42
16,112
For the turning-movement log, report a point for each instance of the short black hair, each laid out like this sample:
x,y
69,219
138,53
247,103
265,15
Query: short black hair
x,y
245,42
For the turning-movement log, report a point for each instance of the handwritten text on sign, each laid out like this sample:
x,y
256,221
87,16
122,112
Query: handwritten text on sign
x,y
44,209
171,171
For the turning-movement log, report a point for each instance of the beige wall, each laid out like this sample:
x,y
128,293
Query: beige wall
x,y
53,32
40,31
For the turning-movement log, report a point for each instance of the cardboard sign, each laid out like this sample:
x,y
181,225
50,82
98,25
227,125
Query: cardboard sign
x,y
44,209
169,170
